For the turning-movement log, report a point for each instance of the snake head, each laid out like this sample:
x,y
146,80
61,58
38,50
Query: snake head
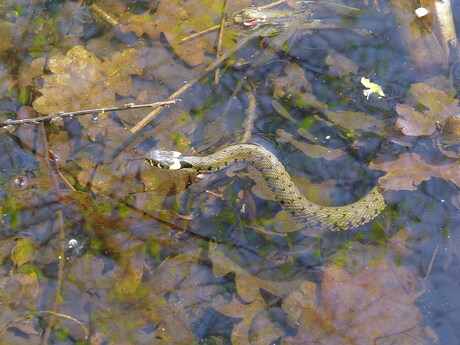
x,y
164,159
249,18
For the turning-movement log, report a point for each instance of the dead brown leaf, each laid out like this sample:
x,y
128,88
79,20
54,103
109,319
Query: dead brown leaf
x,y
20,290
105,179
439,105
410,169
357,309
297,300
294,85
80,80
448,141
356,121
340,65
314,151
294,80
177,20
181,285
248,286
251,321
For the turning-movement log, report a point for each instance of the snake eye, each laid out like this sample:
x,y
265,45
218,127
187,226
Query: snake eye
x,y
185,165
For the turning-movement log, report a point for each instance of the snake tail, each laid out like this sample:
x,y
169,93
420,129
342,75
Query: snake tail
x,y
306,212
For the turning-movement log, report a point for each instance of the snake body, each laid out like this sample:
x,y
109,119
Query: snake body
x,y
284,190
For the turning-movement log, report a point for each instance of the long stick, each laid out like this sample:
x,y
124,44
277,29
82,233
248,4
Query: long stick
x,y
61,115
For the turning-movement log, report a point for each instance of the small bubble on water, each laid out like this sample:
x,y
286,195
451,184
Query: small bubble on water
x,y
72,243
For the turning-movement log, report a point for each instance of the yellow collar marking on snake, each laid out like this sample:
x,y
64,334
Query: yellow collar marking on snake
x,y
176,162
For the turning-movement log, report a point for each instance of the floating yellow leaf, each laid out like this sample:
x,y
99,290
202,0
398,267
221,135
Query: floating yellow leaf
x,y
371,88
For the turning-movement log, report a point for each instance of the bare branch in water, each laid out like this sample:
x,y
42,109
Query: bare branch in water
x,y
61,115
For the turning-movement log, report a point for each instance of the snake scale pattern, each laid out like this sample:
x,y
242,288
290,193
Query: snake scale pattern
x,y
323,218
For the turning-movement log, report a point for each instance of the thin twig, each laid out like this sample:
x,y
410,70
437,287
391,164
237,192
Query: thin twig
x,y
446,24
430,265
249,123
276,3
48,162
103,15
53,162
64,316
9,324
235,91
201,33
219,41
59,280
61,115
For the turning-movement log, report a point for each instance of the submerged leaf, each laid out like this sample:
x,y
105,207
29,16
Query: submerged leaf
x,y
20,292
80,80
177,20
23,251
251,321
297,300
410,169
248,286
293,81
439,105
412,122
314,151
356,121
341,65
357,309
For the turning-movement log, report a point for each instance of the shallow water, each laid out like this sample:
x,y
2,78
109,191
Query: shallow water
x,y
97,247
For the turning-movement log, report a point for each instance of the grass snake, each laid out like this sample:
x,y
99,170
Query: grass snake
x,y
284,190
